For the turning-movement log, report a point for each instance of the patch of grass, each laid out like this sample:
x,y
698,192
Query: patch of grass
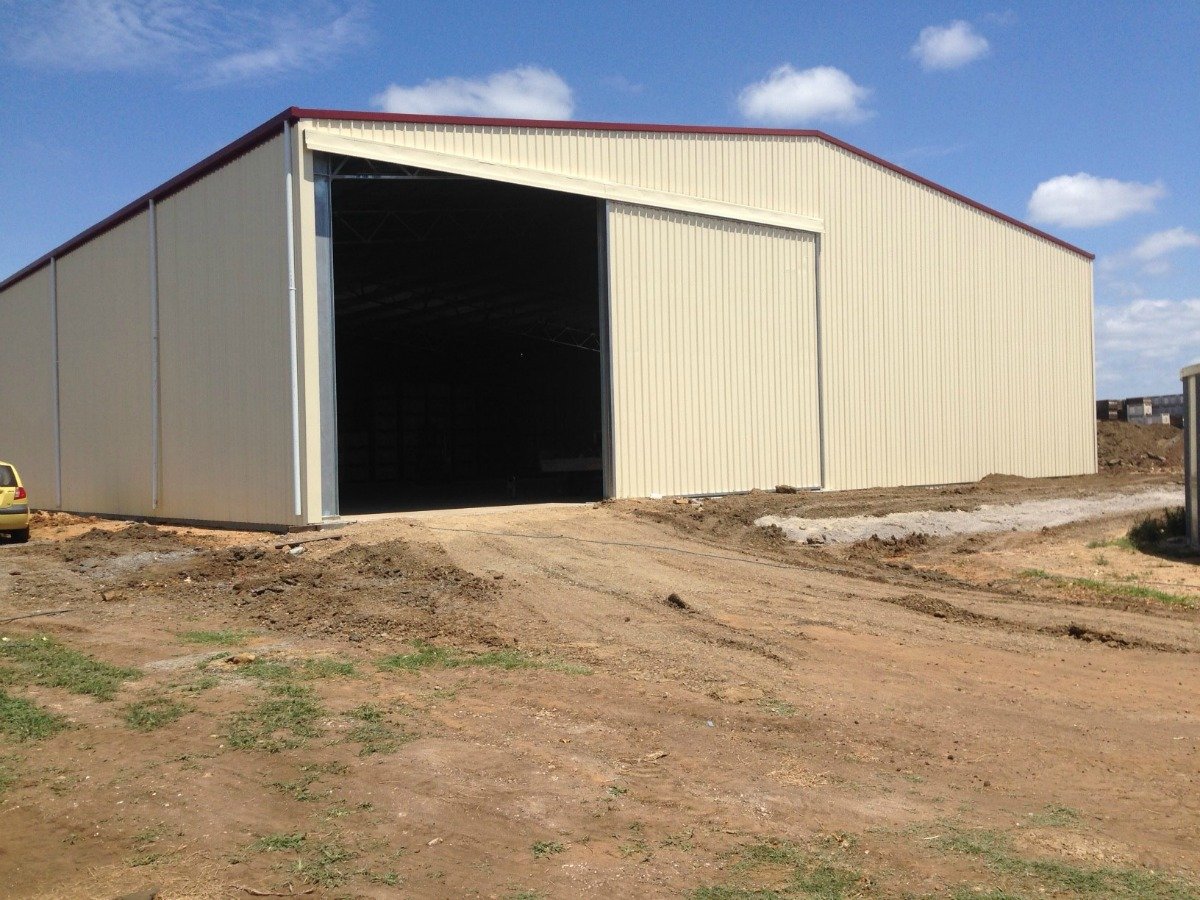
x,y
1052,875
225,638
542,849
1101,559
147,715
268,669
300,788
199,685
793,872
523,895
1114,589
390,879
425,656
1054,816
1121,543
43,661
278,843
681,841
778,707
324,867
374,733
23,720
283,721
8,773
1154,530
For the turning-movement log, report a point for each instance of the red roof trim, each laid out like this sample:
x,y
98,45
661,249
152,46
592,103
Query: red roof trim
x,y
273,125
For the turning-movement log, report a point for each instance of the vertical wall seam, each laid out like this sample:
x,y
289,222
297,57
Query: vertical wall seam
x,y
58,497
291,309
820,354
155,392
607,451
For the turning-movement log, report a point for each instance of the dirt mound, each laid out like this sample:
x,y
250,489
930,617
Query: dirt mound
x,y
106,543
394,589
1120,445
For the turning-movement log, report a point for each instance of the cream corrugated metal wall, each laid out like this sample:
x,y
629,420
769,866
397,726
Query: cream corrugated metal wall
x,y
27,409
225,390
712,329
224,398
104,371
954,344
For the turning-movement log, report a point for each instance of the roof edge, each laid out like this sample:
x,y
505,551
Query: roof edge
x,y
268,129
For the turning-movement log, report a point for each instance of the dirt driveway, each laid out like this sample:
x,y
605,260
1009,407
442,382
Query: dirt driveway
x,y
630,699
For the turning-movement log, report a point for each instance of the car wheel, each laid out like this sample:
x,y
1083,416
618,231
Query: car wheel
x,y
20,535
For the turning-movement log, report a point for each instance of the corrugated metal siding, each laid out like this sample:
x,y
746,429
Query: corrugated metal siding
x,y
226,408
104,371
27,386
713,336
955,344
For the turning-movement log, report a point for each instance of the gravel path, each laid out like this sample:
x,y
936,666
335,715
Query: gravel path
x,y
1027,516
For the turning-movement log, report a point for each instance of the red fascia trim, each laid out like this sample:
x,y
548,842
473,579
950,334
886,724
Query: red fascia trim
x,y
244,144
293,114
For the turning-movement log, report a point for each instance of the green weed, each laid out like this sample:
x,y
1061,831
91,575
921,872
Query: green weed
x,y
374,733
795,872
1054,816
147,715
1114,589
1153,530
426,656
283,721
226,638
23,720
324,867
278,843
542,849
43,661
778,707
994,850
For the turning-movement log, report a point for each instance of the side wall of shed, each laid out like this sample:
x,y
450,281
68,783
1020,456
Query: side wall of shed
x,y
27,407
105,372
224,347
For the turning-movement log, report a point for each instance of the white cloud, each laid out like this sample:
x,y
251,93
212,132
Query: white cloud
x,y
204,41
1151,253
1083,200
948,46
526,92
1142,345
792,97
1157,245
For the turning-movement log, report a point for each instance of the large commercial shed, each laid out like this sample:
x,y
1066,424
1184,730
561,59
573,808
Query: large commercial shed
x,y
343,312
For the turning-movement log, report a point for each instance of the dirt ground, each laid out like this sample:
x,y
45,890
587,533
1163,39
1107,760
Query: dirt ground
x,y
634,699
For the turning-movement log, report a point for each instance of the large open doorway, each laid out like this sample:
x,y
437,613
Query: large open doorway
x,y
468,340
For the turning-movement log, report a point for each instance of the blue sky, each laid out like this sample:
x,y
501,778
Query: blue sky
x,y
1081,117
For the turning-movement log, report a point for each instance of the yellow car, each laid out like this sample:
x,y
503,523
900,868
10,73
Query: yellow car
x,y
14,505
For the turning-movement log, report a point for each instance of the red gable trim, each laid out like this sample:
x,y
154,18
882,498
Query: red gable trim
x,y
272,126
